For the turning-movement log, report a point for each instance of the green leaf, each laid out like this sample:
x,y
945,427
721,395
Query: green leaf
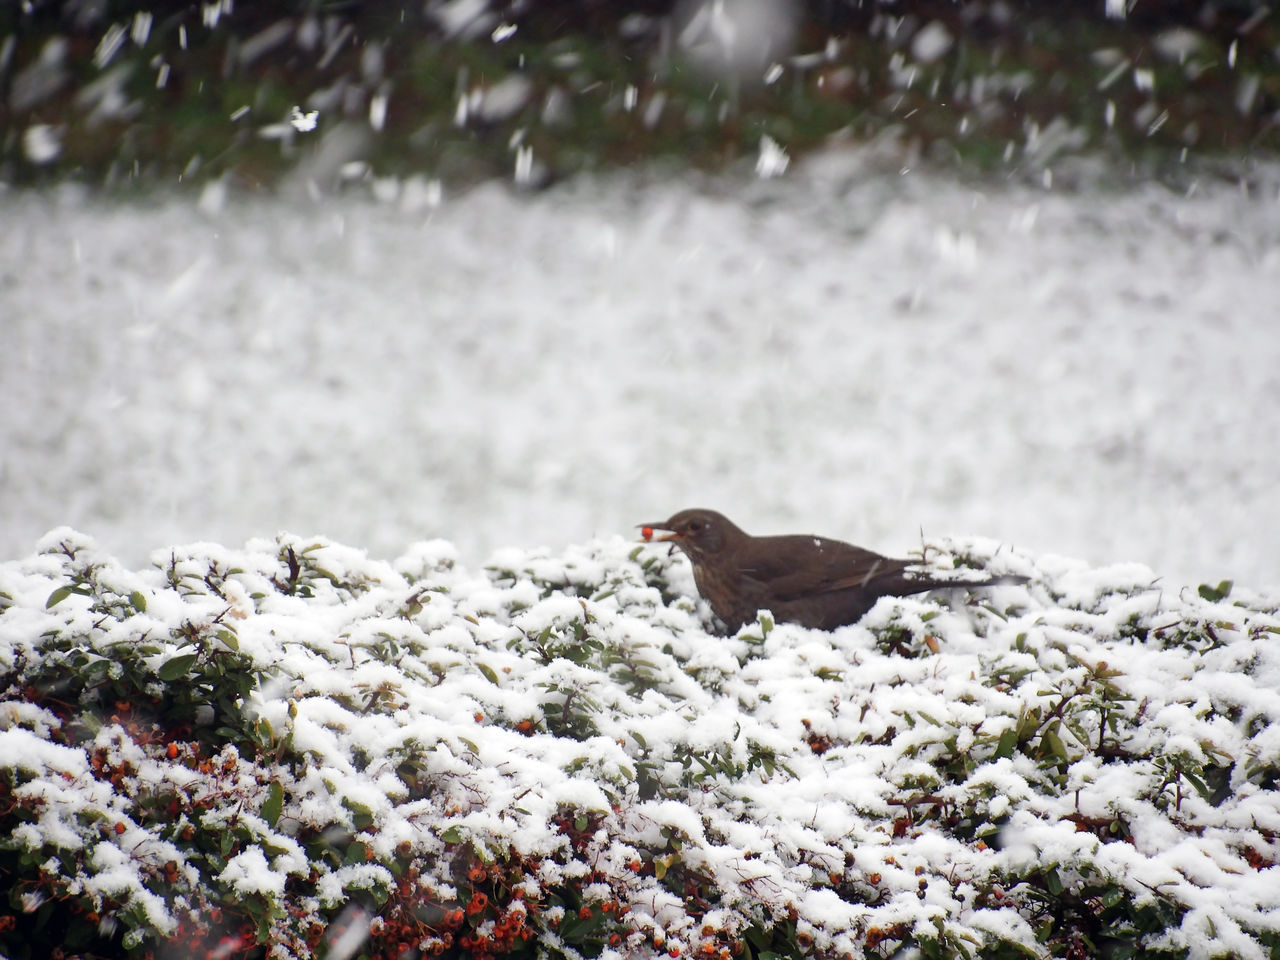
x,y
757,937
1214,594
139,601
176,667
1200,786
1008,740
274,803
452,835
1053,745
1029,724
43,914
358,852
488,673
62,593
1053,882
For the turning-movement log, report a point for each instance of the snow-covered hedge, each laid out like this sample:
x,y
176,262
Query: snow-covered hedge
x,y
290,749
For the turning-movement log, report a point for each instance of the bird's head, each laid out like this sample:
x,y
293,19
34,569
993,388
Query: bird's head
x,y
700,533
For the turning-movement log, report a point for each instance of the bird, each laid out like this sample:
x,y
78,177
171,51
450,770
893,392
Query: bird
x,y
812,581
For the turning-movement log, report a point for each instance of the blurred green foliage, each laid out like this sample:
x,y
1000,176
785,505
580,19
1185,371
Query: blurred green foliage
x,y
123,93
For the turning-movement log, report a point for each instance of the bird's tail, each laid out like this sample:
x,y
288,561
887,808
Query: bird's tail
x,y
932,583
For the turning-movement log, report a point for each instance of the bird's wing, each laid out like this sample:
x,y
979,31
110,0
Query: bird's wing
x,y
799,566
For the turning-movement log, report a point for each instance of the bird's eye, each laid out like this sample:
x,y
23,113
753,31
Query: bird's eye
x,y
695,525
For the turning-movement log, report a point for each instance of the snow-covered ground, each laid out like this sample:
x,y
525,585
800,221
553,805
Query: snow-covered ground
x,y
862,355
291,729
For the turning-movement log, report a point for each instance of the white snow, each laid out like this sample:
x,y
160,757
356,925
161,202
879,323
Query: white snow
x,y
787,767
898,361
931,42
840,352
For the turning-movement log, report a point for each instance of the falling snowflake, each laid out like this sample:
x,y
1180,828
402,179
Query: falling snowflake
x,y
303,122
773,159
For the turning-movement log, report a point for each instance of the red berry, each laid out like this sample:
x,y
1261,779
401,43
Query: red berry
x,y
647,533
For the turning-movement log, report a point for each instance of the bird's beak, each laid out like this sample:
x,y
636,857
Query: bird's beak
x,y
649,528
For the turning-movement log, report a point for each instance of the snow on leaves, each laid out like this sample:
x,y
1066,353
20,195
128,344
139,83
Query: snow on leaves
x,y
292,745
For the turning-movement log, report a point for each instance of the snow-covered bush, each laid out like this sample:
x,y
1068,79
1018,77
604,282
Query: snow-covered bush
x,y
292,750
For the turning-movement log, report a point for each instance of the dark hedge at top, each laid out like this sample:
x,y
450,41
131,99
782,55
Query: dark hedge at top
x,y
551,17
1169,80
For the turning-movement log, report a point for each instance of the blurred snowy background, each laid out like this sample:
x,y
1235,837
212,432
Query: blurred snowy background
x,y
846,351
526,275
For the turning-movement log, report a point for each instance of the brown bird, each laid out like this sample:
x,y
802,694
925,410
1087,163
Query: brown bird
x,y
812,581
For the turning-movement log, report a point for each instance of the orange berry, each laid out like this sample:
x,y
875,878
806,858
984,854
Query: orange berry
x,y
121,828
172,751
585,913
